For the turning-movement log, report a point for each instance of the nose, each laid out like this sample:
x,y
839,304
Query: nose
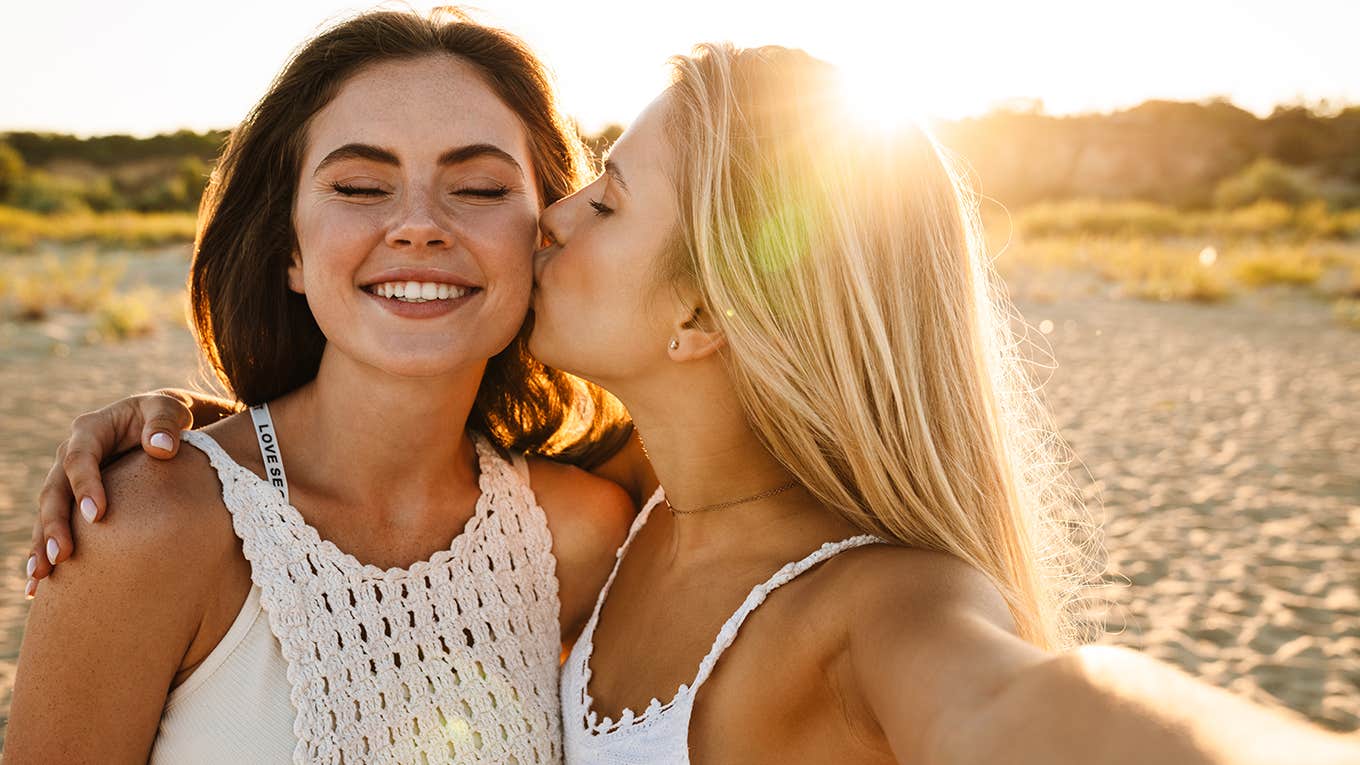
x,y
418,226
552,223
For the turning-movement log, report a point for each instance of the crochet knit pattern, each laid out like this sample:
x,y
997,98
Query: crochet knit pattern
x,y
454,659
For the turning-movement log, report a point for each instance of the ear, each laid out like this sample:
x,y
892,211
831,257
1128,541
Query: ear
x,y
695,338
295,282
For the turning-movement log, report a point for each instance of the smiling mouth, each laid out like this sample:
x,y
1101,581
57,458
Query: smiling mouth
x,y
419,292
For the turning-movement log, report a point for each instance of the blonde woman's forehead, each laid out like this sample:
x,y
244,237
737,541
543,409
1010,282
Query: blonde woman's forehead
x,y
642,156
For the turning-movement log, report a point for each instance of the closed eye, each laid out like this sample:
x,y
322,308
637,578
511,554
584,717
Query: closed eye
x,y
601,209
495,192
356,191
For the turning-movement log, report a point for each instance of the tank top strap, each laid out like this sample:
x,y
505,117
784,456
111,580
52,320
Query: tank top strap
x,y
790,571
268,439
217,456
235,477
638,523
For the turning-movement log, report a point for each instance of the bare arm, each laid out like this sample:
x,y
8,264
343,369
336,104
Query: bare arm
x,y
102,647
1102,704
152,420
949,682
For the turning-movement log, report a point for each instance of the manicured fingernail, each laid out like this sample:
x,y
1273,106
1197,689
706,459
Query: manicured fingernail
x,y
162,441
52,551
30,589
88,509
32,564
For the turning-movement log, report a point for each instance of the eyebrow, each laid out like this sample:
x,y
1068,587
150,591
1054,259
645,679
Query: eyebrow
x,y
358,151
612,170
378,154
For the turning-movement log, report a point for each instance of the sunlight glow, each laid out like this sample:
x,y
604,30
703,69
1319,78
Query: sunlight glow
x,y
878,99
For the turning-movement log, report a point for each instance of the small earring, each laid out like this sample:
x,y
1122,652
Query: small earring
x,y
674,344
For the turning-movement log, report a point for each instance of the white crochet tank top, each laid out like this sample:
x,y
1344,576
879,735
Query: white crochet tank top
x,y
452,660
659,734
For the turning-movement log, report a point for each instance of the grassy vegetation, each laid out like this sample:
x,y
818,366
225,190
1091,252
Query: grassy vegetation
x,y
1197,269
130,314
1266,219
25,231
51,283
1293,266
85,284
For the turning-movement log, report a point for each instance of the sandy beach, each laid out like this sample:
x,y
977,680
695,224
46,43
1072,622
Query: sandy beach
x,y
1220,445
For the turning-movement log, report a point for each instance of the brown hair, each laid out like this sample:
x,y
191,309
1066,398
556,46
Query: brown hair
x,y
261,338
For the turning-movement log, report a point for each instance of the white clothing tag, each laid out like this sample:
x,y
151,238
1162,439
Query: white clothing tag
x,y
269,448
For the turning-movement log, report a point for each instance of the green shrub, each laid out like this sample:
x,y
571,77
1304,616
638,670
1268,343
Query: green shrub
x,y
49,194
1264,180
12,170
22,230
124,315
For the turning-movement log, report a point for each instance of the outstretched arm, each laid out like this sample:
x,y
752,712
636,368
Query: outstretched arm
x,y
1103,704
936,659
153,420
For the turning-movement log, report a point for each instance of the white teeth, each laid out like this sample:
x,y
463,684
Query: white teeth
x,y
418,292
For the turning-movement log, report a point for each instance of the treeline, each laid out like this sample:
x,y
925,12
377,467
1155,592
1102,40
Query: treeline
x,y
39,149
1185,155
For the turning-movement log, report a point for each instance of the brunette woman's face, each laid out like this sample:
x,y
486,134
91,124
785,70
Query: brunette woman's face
x,y
598,311
415,217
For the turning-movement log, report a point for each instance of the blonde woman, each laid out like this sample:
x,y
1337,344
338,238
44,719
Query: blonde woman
x,y
855,558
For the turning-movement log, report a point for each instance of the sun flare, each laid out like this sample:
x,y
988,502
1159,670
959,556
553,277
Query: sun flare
x,y
877,99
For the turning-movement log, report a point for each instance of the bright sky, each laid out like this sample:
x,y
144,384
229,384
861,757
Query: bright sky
x,y
147,66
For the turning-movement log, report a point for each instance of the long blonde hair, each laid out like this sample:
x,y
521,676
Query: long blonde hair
x,y
866,337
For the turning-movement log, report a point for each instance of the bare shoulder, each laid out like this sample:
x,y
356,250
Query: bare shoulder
x,y
892,587
585,513
588,518
162,509
925,637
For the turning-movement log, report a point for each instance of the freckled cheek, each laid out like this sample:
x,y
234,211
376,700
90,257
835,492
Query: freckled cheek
x,y
504,241
332,246
332,229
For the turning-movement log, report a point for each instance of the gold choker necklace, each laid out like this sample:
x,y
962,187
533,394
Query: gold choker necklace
x,y
733,502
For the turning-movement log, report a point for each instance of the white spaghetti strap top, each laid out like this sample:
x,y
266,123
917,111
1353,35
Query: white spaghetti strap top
x,y
452,660
659,735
